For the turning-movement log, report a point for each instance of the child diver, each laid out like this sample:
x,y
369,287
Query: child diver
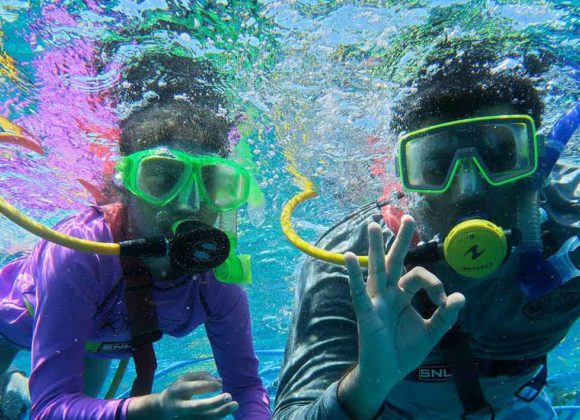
x,y
78,310
460,326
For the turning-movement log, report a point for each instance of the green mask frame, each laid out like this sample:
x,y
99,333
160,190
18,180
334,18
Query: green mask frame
x,y
158,176
504,149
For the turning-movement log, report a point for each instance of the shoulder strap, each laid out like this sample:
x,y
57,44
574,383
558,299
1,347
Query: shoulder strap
x,y
455,347
142,323
139,303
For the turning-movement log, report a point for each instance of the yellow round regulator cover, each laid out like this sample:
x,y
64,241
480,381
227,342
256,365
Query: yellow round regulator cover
x,y
475,248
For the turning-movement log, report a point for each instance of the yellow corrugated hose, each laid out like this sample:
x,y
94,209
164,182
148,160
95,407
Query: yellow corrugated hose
x,y
301,244
51,235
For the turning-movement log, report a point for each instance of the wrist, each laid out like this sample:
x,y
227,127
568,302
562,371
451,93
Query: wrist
x,y
145,407
360,396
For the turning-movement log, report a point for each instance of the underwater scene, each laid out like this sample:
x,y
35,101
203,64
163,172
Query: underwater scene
x,y
308,89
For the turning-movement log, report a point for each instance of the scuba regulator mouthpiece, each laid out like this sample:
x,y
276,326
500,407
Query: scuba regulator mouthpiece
x,y
195,246
474,248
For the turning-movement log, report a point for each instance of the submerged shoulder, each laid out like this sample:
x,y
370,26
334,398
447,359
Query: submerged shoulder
x,y
89,223
351,233
565,179
60,267
320,281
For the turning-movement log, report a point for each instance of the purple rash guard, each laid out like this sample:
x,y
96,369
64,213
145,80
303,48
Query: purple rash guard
x,y
78,297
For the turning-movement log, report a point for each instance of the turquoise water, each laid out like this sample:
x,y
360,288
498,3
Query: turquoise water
x,y
314,82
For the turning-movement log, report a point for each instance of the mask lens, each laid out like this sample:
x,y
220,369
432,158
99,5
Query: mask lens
x,y
158,176
225,185
497,147
503,149
429,159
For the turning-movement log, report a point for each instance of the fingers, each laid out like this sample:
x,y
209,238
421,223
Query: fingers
x,y
214,407
185,389
360,299
377,280
420,278
181,392
395,260
193,383
448,306
445,316
199,376
383,271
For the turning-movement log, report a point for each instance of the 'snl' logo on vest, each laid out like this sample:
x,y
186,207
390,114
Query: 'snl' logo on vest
x,y
434,373
120,346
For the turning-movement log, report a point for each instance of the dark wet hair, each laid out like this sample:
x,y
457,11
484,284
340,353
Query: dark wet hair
x,y
171,98
162,122
164,77
461,87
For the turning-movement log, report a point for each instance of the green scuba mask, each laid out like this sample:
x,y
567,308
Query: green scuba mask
x,y
504,149
159,175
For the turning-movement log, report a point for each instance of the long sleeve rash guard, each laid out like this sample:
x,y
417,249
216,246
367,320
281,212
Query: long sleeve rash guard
x,y
78,297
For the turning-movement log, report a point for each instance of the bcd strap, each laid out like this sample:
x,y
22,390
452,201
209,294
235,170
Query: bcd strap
x,y
139,302
145,366
465,376
529,391
142,323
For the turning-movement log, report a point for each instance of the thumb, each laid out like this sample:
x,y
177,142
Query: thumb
x,y
445,316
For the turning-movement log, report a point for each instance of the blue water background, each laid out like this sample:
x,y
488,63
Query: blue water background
x,y
324,110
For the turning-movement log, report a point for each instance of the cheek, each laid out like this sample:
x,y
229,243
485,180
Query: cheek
x,y
142,219
434,214
208,216
423,204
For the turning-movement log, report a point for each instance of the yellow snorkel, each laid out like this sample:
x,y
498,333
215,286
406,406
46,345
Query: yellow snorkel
x,y
51,235
179,247
487,245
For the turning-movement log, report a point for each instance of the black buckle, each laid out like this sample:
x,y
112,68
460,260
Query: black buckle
x,y
465,416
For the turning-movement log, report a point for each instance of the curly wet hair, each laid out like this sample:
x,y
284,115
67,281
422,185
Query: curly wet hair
x,y
166,121
156,77
462,86
173,98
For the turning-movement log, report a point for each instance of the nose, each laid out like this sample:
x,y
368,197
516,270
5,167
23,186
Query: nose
x,y
188,200
468,184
